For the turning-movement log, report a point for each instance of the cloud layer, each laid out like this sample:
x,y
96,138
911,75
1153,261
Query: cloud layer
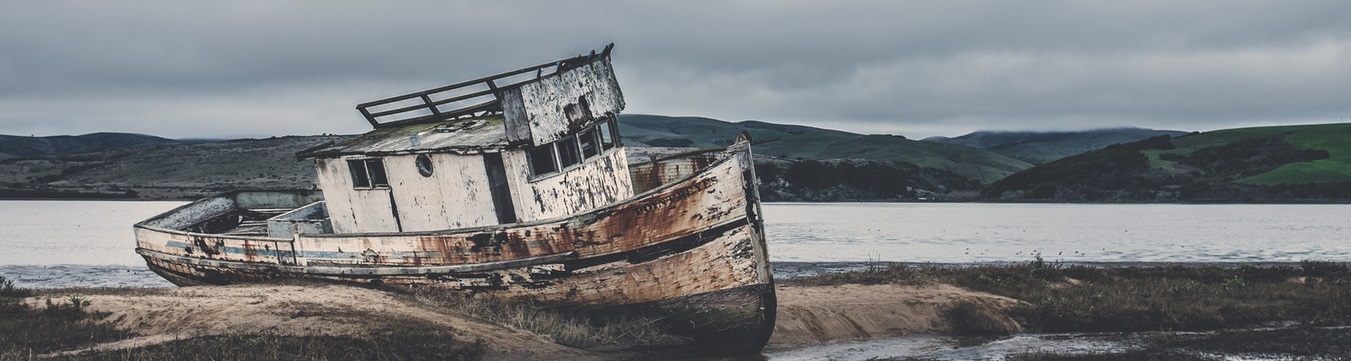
x,y
917,68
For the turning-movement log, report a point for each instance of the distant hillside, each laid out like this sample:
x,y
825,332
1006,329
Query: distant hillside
x,y
174,170
1287,163
18,146
796,163
794,142
1042,147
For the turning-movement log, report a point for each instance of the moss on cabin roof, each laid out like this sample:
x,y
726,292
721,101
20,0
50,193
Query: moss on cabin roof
x,y
474,135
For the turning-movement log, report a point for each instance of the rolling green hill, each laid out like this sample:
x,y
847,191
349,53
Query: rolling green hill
x,y
801,142
1333,138
1285,163
1042,147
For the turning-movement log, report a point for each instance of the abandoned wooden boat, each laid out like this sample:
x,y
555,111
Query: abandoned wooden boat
x,y
515,185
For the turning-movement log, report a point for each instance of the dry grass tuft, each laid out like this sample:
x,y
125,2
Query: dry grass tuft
x,y
576,328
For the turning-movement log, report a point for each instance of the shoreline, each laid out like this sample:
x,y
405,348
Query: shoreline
x,y
138,276
877,304
808,316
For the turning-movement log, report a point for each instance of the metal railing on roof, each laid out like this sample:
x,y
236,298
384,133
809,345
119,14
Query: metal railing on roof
x,y
464,99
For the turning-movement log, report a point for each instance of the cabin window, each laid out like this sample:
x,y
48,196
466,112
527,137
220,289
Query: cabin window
x,y
607,135
368,173
567,152
424,165
590,146
542,160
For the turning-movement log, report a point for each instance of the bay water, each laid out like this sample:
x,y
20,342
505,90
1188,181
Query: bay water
x,y
52,244
90,243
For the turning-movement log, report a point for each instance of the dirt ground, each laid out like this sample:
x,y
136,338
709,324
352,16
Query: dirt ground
x,y
820,314
186,312
806,315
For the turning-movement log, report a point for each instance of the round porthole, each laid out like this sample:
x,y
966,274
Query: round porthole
x,y
424,165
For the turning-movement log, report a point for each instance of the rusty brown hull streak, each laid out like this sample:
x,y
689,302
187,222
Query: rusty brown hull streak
x,y
693,249
705,284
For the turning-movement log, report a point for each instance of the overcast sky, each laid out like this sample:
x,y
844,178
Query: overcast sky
x,y
216,69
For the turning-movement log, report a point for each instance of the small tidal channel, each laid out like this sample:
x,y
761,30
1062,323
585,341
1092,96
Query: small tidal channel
x,y
931,347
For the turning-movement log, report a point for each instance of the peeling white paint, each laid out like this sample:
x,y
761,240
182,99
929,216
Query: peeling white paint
x,y
456,195
557,105
595,183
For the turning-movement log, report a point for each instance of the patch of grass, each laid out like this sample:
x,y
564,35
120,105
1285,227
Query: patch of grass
x,y
119,291
1103,299
408,341
7,289
1329,137
576,328
62,324
892,274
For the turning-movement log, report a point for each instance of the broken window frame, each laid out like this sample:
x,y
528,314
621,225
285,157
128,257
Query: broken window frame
x,y
368,173
609,135
539,156
590,143
569,153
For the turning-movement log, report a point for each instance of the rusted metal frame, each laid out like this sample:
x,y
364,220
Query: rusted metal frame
x,y
364,107
559,66
490,106
428,103
369,118
362,271
451,149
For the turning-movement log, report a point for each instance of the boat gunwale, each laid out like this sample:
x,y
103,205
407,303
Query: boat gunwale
x,y
364,270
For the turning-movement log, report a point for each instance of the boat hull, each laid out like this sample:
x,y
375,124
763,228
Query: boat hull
x,y
693,250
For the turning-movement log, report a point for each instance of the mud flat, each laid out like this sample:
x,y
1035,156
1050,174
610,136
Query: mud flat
x,y
808,315
813,315
1291,311
161,315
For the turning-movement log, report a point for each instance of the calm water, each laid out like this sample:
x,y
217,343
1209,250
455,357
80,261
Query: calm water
x,y
90,243
977,232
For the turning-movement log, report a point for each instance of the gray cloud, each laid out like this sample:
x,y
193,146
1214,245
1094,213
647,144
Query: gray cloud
x,y
916,68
